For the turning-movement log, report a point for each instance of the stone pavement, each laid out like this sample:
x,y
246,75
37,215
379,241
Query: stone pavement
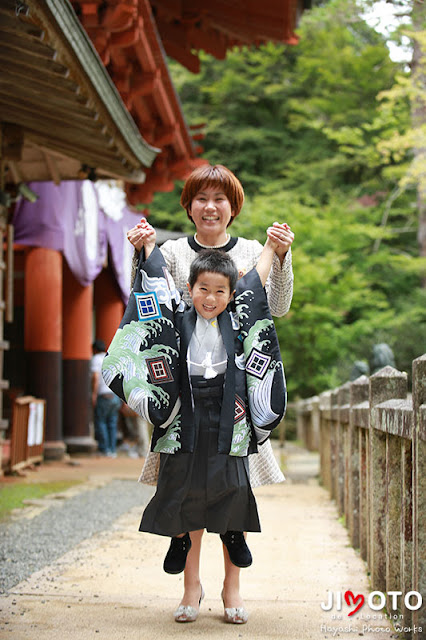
x,y
112,586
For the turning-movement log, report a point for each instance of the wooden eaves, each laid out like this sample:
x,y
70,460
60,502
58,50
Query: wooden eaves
x,y
127,40
60,113
186,26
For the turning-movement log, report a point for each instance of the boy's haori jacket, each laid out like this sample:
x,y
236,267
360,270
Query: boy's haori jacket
x,y
146,363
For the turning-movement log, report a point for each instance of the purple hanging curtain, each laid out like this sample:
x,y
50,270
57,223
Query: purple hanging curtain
x,y
80,219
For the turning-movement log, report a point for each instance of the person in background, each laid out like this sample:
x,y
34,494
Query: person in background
x,y
136,441
106,405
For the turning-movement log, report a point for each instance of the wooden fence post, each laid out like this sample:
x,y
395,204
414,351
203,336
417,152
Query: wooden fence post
x,y
419,486
300,405
334,445
325,441
373,461
386,384
343,422
407,515
357,513
314,422
394,550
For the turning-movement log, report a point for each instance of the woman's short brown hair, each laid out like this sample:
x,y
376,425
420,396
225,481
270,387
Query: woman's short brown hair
x,y
209,176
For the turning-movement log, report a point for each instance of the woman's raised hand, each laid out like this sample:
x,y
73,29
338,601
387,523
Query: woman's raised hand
x,y
142,235
282,236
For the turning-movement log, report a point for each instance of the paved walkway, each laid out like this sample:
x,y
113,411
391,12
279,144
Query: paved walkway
x,y
112,586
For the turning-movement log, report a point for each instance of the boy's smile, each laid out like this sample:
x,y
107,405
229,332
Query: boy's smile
x,y
210,294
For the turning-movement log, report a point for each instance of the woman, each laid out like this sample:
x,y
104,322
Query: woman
x,y
212,197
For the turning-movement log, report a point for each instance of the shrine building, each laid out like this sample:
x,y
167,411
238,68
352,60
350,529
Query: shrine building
x,y
90,126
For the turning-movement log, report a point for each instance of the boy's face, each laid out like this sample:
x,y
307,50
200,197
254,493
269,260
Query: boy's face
x,y
210,294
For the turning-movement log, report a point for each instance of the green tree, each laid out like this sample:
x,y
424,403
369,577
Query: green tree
x,y
303,129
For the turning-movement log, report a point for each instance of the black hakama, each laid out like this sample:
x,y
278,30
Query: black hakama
x,y
205,489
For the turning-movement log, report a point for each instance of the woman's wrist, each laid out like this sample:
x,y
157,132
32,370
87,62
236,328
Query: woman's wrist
x,y
281,255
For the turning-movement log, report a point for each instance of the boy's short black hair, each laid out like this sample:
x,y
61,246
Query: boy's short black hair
x,y
214,261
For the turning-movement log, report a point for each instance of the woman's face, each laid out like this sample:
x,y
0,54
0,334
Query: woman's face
x,y
211,210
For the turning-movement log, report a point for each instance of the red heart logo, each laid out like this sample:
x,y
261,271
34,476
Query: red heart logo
x,y
359,597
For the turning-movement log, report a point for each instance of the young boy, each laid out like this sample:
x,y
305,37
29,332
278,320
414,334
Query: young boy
x,y
211,380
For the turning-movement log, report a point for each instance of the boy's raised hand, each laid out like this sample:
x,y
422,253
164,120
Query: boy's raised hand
x,y
282,237
142,235
264,263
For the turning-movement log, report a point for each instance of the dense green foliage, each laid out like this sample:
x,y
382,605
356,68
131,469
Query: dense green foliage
x,y
303,129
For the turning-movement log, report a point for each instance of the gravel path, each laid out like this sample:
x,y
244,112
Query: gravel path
x,y
29,544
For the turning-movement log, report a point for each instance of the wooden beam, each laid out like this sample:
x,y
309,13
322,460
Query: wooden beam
x,y
38,98
65,31
146,84
19,42
8,55
165,136
179,166
210,40
181,144
15,172
119,17
122,79
125,39
144,52
12,137
191,62
144,117
51,164
139,194
256,24
176,33
52,116
39,76
137,83
164,105
9,22
60,51
86,155
33,166
174,8
89,11
55,131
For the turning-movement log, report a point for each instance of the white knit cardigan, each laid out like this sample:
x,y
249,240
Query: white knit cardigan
x,y
179,255
279,287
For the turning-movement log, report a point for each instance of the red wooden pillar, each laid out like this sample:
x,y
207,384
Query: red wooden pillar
x,y
77,305
109,306
43,339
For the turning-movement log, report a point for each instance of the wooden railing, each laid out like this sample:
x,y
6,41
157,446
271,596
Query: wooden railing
x,y
371,435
